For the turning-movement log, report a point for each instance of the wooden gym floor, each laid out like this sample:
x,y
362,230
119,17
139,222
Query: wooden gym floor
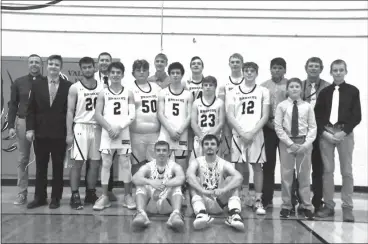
x,y
64,225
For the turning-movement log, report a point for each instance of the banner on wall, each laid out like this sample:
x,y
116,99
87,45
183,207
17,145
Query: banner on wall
x,y
11,69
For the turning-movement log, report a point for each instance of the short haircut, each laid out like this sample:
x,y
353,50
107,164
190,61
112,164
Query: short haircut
x,y
176,65
238,56
35,55
250,65
338,61
314,60
140,63
278,61
210,79
163,56
297,80
162,143
194,58
86,60
210,137
104,53
57,57
117,65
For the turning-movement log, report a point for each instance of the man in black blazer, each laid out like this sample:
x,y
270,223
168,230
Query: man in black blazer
x,y
46,125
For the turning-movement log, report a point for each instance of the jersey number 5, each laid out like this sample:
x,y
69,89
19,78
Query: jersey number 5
x,y
146,108
204,120
249,106
117,107
90,104
175,109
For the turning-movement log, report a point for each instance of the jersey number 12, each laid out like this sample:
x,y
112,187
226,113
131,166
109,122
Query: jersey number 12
x,y
248,107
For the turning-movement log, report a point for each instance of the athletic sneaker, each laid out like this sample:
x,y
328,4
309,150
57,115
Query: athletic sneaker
x,y
285,213
21,199
102,203
202,221
90,197
308,214
140,219
75,201
176,221
235,221
128,202
258,207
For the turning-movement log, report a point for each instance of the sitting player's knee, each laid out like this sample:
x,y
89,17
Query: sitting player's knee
x,y
141,190
196,198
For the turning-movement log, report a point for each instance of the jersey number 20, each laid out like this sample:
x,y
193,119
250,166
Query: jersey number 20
x,y
204,120
90,104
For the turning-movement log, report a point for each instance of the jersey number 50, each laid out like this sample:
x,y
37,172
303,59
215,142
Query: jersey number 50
x,y
90,104
146,108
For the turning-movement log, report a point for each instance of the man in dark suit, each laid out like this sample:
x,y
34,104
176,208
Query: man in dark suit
x,y
46,125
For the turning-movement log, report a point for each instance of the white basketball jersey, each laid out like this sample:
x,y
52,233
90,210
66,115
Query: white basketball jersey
x,y
208,114
86,103
229,86
116,110
166,175
176,112
248,105
210,178
195,88
146,103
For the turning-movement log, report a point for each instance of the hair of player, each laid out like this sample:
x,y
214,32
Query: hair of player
x,y
210,79
117,65
162,143
163,56
314,60
278,61
339,61
57,57
294,80
176,65
104,53
194,58
250,65
238,56
35,55
139,64
86,60
210,137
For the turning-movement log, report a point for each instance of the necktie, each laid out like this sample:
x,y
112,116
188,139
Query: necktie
x,y
106,80
334,116
52,91
294,120
314,95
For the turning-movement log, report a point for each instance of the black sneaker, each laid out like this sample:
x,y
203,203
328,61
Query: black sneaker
x,y
75,201
308,214
285,213
91,196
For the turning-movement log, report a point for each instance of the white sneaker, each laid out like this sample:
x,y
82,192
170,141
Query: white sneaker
x,y
176,221
202,221
128,202
235,221
258,207
140,219
102,203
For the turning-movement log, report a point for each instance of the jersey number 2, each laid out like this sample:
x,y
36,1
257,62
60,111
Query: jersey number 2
x,y
117,106
204,120
249,107
90,104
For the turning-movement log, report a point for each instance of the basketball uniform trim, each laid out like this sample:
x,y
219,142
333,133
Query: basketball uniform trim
x,y
87,87
141,89
113,93
175,94
234,82
76,143
209,105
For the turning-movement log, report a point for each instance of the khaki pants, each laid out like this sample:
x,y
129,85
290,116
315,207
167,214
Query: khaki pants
x,y
24,147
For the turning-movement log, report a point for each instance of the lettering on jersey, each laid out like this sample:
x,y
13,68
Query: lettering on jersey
x,y
208,110
150,96
176,100
125,142
91,94
248,97
116,98
183,143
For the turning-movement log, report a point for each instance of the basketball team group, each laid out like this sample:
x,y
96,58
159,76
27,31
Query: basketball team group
x,y
182,139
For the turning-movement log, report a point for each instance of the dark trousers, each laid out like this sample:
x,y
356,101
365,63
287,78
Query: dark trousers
x,y
43,147
317,182
271,146
111,179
